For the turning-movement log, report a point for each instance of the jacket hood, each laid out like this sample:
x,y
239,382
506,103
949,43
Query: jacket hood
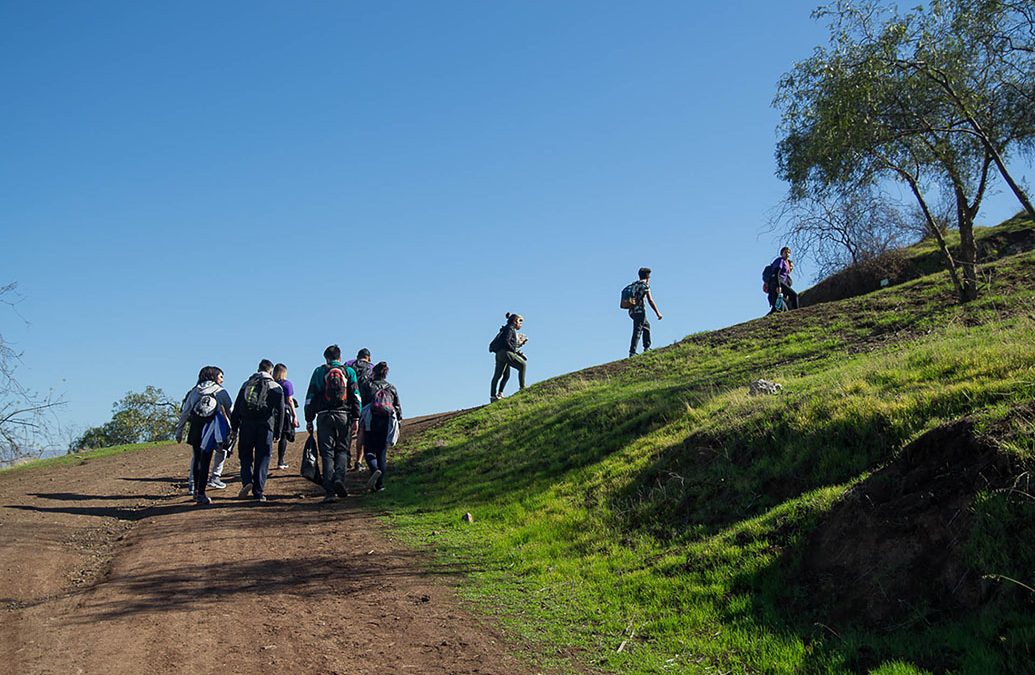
x,y
208,387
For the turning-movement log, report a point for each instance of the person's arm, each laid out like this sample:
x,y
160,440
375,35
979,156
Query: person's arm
x,y
397,404
650,300
353,399
278,413
311,395
235,416
512,340
184,415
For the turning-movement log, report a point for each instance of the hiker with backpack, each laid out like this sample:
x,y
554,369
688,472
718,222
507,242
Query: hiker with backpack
x,y
633,297
507,347
202,405
332,401
258,418
776,282
364,374
380,421
290,415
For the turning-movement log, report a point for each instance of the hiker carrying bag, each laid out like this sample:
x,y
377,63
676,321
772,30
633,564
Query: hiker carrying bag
x,y
383,404
256,391
311,461
629,299
498,344
335,388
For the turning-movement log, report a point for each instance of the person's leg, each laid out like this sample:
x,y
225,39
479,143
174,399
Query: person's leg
x,y
281,451
518,363
197,481
359,436
382,465
219,456
638,320
791,297
325,442
342,452
376,443
246,452
501,370
645,330
773,291
263,452
190,475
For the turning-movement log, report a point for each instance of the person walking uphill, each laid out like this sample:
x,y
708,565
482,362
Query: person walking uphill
x,y
332,400
364,374
633,297
201,406
258,418
779,281
507,348
380,421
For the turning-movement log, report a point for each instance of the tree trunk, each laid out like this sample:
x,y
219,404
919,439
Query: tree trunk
x,y
968,247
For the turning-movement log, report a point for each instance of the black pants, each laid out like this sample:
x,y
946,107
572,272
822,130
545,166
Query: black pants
x,y
199,468
333,437
640,327
376,447
281,449
504,362
790,297
254,447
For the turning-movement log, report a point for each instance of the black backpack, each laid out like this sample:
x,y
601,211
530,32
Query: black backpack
x,y
256,391
498,343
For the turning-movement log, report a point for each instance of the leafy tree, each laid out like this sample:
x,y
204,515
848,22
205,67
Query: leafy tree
x,y
897,98
140,417
26,418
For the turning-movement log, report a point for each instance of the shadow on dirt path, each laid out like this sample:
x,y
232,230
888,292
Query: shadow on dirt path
x,y
109,567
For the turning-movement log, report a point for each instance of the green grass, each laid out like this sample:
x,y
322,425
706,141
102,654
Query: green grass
x,y
82,457
653,502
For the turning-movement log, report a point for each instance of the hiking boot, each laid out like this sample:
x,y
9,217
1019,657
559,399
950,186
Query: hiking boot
x,y
217,484
203,499
246,490
339,489
374,477
329,499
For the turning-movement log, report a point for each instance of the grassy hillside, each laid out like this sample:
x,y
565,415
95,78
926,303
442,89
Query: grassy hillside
x,y
649,515
83,456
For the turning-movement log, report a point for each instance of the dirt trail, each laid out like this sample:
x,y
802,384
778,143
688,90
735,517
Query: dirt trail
x,y
109,567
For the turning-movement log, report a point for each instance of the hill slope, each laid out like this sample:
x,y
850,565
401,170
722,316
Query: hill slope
x,y
650,515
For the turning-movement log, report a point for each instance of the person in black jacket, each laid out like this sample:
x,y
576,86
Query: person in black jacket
x,y
378,424
507,347
258,418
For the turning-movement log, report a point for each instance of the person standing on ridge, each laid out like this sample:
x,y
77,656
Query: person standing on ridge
x,y
507,347
780,281
332,400
258,417
639,291
364,374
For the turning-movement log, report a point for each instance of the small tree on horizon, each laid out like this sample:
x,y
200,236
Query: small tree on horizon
x,y
139,417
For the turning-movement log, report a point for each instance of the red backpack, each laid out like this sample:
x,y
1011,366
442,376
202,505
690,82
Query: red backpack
x,y
383,403
335,388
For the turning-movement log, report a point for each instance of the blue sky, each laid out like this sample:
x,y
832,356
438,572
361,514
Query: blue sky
x,y
190,183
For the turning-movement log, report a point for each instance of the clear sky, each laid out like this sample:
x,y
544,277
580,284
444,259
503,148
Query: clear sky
x,y
196,183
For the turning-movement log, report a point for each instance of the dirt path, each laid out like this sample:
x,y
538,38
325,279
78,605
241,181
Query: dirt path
x,y
109,567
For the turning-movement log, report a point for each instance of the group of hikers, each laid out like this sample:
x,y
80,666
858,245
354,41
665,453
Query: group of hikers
x,y
346,403
506,346
352,402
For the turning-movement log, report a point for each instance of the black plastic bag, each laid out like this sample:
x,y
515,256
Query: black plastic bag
x,y
311,461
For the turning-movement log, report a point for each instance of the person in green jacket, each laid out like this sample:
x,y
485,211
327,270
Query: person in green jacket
x,y
332,401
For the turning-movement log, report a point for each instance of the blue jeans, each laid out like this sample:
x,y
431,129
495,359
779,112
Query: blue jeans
x,y
254,447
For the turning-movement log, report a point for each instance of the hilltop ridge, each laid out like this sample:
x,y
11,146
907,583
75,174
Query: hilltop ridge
x,y
865,519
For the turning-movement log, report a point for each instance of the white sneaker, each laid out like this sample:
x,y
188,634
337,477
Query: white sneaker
x,y
217,484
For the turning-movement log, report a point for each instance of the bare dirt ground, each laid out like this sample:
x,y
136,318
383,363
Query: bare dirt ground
x,y
108,566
